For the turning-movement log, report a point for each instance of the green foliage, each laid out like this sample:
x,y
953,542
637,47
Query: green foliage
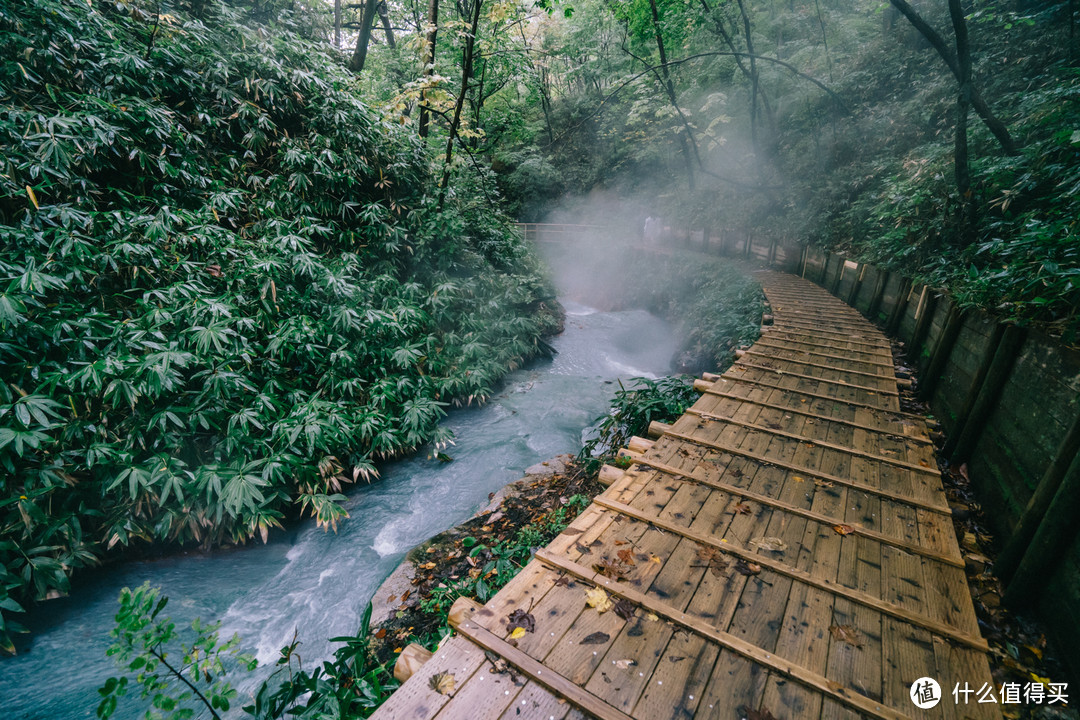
x,y
504,560
223,284
185,675
660,400
179,677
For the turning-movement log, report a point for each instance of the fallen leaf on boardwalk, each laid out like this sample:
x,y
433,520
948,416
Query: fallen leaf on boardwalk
x,y
597,598
627,556
846,633
743,509
652,617
624,609
924,463
572,531
518,633
752,714
823,483
713,559
676,658
613,569
843,529
620,542
521,619
747,568
798,478
770,544
624,664
443,683
653,558
597,638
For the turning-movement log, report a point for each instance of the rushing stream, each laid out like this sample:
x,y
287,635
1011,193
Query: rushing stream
x,y
316,582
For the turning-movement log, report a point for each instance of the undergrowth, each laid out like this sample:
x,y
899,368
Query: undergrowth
x,y
225,289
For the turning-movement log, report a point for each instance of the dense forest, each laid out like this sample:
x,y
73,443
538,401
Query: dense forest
x,y
250,248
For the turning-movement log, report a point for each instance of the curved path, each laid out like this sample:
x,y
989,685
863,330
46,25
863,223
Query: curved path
x,y
785,547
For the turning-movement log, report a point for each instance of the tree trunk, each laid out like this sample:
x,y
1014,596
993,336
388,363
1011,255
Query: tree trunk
x,y
466,72
384,16
337,24
429,61
367,19
754,79
995,125
670,87
963,103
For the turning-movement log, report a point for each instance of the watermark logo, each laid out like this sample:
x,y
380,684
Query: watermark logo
x,y
925,693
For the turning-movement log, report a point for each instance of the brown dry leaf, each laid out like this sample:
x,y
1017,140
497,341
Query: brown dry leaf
x,y
798,478
624,609
380,633
562,581
627,556
443,683
391,599
597,598
843,529
747,568
428,566
597,638
743,509
521,619
770,544
823,483
752,714
713,559
572,531
846,633
405,595
613,569
924,463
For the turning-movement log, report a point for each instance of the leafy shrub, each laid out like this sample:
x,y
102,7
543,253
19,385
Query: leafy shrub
x,y
222,285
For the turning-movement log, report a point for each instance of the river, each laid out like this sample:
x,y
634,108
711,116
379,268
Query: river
x,y
318,583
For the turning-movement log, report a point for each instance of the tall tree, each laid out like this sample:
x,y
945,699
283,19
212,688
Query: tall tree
x,y
367,19
430,35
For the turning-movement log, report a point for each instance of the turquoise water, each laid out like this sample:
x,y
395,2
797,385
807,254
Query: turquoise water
x,y
318,583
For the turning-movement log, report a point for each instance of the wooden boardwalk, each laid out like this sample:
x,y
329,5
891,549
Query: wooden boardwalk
x,y
784,547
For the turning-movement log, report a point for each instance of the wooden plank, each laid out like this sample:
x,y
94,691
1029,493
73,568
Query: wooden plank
x,y
788,344
767,368
552,680
805,393
856,528
915,467
942,508
875,340
416,700
763,343
818,416
845,368
795,334
792,572
730,642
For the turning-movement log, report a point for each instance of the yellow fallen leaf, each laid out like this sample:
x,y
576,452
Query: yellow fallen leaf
x,y
443,683
797,478
33,197
518,632
652,617
597,598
